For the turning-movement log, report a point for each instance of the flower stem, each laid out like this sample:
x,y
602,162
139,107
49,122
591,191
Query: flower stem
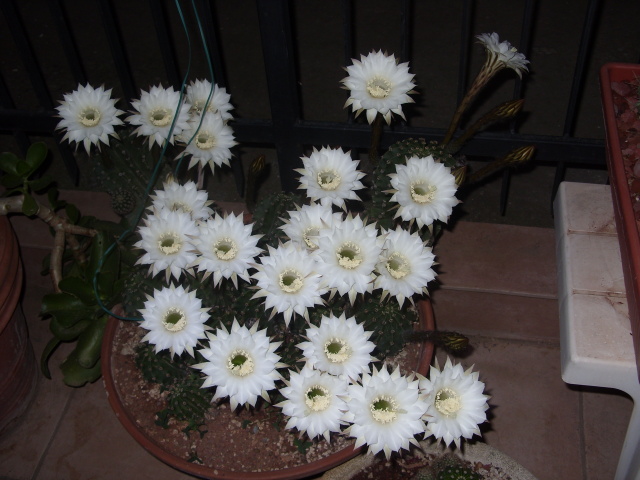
x,y
489,69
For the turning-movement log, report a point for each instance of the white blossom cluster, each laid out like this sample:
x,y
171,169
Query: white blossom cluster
x,y
329,251
161,114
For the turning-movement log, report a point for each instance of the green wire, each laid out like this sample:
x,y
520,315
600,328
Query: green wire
x,y
161,158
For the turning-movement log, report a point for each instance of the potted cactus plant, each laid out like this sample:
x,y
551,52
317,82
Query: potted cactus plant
x,y
304,326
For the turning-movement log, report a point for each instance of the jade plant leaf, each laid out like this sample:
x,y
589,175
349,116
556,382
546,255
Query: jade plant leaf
x,y
29,205
8,162
79,288
67,308
36,154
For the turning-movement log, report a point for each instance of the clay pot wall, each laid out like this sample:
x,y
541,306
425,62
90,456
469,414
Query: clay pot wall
x,y
18,373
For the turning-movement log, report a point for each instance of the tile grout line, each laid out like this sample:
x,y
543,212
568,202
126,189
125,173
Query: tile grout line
x,y
41,460
525,341
544,296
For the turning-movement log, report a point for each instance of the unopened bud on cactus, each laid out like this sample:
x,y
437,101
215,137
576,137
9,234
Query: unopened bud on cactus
x,y
505,111
515,157
256,169
520,155
460,174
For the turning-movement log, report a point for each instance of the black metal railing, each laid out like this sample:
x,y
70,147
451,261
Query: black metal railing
x,y
285,129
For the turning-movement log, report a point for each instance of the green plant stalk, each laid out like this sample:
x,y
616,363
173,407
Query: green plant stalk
x,y
488,71
517,156
504,111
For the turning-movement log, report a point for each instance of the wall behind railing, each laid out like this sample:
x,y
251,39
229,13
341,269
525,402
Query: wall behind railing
x,y
282,62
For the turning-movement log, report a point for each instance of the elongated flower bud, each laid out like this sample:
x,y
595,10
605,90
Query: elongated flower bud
x,y
517,156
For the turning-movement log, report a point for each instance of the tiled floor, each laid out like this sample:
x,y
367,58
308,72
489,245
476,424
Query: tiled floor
x,y
498,284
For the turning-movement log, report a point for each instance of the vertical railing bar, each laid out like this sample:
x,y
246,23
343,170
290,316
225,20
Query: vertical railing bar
x,y
576,87
524,47
69,44
207,18
117,50
163,33
7,103
347,38
466,22
405,31
528,19
18,33
278,52
347,30
580,66
16,27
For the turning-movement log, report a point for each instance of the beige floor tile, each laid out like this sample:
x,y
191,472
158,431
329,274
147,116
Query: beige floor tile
x,y
22,447
606,415
91,444
503,258
494,314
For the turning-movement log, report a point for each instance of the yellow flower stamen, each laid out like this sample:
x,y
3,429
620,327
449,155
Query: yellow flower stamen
x,y
329,180
398,266
423,193
178,206
198,106
290,280
379,87
240,363
205,141
310,232
349,255
317,398
448,402
337,350
90,117
170,243
160,117
225,249
384,409
174,319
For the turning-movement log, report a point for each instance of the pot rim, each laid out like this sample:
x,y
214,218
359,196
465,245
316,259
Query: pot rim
x,y
628,234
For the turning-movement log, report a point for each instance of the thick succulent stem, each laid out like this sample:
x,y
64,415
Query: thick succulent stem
x,y
62,228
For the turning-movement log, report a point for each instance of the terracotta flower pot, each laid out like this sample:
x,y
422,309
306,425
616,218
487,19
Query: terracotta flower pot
x,y
626,224
133,427
18,372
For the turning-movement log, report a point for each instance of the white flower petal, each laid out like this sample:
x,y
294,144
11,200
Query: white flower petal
x,y
88,116
156,112
175,320
386,411
330,176
241,364
339,346
288,280
378,84
456,402
425,190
